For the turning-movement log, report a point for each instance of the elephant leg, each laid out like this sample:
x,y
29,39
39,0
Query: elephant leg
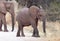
x,y
22,33
5,25
35,30
18,32
0,25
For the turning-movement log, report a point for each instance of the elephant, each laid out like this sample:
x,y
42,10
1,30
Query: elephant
x,y
30,16
5,7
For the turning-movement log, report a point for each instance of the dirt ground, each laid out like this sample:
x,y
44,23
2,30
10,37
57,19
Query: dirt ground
x,y
11,36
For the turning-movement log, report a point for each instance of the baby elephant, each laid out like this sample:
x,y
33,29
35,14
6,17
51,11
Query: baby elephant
x,y
30,16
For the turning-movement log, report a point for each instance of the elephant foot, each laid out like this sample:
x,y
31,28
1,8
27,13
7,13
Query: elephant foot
x,y
5,30
18,35
23,35
1,30
35,36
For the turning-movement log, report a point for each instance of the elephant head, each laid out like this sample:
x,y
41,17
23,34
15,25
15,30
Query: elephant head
x,y
42,16
10,8
39,13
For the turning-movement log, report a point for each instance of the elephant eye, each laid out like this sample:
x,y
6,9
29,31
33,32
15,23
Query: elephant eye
x,y
40,15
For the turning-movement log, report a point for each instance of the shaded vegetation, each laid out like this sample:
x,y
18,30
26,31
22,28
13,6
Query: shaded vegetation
x,y
51,6
54,11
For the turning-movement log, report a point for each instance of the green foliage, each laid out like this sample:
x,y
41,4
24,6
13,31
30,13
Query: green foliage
x,y
54,11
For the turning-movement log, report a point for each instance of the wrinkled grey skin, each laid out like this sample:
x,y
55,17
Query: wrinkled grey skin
x,y
4,8
30,16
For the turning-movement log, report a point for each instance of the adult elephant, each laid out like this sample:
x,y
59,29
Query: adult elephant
x,y
5,7
30,16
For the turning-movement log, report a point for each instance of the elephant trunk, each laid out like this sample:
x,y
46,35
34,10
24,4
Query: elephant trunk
x,y
13,21
44,25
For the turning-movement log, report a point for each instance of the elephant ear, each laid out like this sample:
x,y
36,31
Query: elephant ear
x,y
33,10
